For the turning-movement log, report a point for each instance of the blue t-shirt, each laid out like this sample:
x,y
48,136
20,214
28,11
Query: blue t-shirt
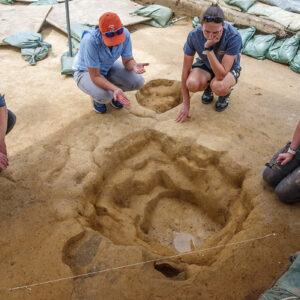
x,y
93,53
2,101
230,44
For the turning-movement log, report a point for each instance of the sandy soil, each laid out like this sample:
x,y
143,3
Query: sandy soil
x,y
88,192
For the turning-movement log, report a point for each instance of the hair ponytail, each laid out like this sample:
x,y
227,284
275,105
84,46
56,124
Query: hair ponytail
x,y
214,11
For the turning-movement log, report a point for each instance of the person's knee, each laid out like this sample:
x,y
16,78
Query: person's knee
x,y
195,86
288,190
219,88
138,83
271,176
132,83
287,193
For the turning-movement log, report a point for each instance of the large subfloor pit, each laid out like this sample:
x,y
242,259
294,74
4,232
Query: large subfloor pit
x,y
169,195
158,196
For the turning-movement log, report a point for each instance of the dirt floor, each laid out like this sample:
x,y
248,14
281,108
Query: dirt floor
x,y
87,192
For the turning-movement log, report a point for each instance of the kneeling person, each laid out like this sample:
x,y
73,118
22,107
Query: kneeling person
x,y
96,69
217,68
283,171
7,122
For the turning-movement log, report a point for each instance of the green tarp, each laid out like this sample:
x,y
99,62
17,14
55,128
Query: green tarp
x,y
75,46
283,51
243,4
32,45
78,29
288,285
295,64
246,34
259,45
25,39
195,22
7,1
32,55
66,64
160,15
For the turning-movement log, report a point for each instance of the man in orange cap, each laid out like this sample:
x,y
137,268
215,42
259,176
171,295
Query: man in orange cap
x,y
97,71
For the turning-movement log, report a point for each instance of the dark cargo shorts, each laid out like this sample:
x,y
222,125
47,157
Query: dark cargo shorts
x,y
201,65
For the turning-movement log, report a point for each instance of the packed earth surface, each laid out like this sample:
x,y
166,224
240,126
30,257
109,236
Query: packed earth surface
x,y
164,210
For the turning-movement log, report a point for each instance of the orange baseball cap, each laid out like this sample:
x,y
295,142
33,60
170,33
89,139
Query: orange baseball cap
x,y
110,22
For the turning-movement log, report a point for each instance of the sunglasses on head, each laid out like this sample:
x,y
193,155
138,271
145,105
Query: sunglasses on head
x,y
111,34
213,19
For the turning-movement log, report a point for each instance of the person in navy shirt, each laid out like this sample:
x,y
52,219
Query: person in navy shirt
x,y
7,122
97,71
217,68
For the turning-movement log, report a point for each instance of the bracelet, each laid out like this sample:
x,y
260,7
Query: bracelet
x,y
291,150
209,48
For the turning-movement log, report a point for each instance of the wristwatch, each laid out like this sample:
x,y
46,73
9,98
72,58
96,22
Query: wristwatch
x,y
210,48
291,150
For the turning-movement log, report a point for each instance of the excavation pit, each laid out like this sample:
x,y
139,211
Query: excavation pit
x,y
170,193
160,95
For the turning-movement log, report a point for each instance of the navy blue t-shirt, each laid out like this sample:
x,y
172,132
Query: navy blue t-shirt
x,y
230,44
2,100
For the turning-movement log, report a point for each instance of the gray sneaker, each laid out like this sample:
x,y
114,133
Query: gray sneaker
x,y
222,102
207,96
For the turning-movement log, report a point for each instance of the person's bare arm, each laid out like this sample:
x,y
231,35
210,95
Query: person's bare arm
x,y
296,138
220,69
100,81
187,65
3,128
284,158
